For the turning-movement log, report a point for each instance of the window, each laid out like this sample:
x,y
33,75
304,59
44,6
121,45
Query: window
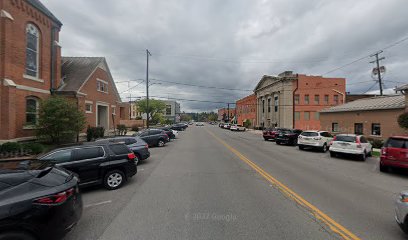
x,y
326,99
306,115
60,156
269,105
317,99
168,109
297,99
276,103
102,86
376,129
32,50
88,107
31,111
89,153
396,143
358,128
336,99
119,149
335,127
310,134
316,115
114,110
307,99
263,106
297,115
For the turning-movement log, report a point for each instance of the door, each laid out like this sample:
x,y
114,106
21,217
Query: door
x,y
146,137
86,163
366,144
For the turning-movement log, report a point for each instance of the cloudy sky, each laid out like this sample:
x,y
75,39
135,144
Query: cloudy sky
x,y
231,44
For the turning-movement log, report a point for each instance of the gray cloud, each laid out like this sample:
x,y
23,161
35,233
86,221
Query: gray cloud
x,y
231,44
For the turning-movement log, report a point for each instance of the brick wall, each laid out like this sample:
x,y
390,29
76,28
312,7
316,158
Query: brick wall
x,y
246,109
12,65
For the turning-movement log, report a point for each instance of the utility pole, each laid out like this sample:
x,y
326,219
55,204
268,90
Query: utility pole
x,y
147,87
228,112
378,69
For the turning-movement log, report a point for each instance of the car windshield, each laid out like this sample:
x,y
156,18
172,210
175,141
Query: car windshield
x,y
309,134
344,138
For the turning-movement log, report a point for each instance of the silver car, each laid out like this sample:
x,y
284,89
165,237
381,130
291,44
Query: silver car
x,y
401,211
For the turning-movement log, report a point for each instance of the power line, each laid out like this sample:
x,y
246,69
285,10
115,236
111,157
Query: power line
x,y
201,86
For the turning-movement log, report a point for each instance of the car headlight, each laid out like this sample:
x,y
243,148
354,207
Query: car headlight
x,y
404,198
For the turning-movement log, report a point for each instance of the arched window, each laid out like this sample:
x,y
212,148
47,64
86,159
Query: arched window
x,y
31,111
32,50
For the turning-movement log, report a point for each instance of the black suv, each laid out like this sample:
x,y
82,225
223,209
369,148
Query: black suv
x,y
179,126
136,144
287,136
37,200
110,164
153,137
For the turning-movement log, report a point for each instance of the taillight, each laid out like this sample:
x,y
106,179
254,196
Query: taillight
x,y
131,156
55,199
331,142
358,142
384,151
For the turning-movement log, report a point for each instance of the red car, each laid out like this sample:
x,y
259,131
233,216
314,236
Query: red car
x,y
272,133
394,153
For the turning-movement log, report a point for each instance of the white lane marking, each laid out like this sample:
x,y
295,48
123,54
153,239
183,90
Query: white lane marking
x,y
97,204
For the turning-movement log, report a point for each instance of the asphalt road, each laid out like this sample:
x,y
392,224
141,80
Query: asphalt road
x,y
211,183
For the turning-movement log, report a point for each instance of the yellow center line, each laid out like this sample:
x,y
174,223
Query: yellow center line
x,y
333,225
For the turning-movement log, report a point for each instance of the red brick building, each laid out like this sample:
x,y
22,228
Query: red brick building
x,y
223,114
246,110
30,67
294,100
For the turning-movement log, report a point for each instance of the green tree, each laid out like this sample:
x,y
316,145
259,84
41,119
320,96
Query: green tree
x,y
403,120
185,117
247,123
156,108
59,120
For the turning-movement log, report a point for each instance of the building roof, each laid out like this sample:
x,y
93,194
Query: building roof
x,y
40,7
373,103
76,71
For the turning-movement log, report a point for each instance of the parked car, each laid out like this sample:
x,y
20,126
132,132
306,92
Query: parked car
x,y
200,124
139,147
288,136
226,126
153,137
401,211
236,127
315,139
394,153
110,164
37,200
169,132
350,144
271,133
179,127
221,125
175,132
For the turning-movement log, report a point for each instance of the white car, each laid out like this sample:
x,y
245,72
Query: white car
x,y
350,144
199,124
315,139
236,127
175,132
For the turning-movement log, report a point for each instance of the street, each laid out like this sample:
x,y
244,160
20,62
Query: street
x,y
212,183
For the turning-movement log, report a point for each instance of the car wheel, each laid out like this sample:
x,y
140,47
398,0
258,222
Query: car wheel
x,y
333,154
14,235
301,147
114,179
324,148
265,139
363,156
160,143
383,168
137,159
277,142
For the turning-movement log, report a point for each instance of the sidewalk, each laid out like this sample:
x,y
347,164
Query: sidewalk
x,y
258,132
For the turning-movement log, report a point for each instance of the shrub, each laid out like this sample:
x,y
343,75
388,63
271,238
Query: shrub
x,y
9,147
135,128
93,133
122,130
403,120
247,123
33,148
376,143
